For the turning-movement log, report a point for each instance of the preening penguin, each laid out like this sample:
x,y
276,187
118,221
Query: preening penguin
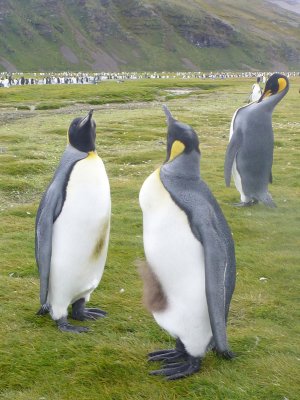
x,y
249,155
72,229
189,275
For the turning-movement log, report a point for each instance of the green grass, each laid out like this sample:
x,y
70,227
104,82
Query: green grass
x,y
36,360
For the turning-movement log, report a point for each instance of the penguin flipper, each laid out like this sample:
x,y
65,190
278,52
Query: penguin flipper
x,y
216,284
50,206
231,151
49,209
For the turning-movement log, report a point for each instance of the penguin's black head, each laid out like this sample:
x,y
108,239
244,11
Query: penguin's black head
x,y
82,133
181,137
275,84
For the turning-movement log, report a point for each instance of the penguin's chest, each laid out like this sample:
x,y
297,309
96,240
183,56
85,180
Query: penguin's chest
x,y
80,233
171,249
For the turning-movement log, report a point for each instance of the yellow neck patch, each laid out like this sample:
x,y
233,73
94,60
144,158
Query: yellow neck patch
x,y
267,94
177,148
92,154
282,84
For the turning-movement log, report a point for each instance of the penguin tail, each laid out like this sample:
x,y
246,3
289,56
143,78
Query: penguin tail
x,y
45,309
267,200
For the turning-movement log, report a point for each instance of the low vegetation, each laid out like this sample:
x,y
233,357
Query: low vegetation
x,y
37,362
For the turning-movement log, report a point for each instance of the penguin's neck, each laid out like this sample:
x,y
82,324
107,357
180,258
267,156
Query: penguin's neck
x,y
270,102
184,166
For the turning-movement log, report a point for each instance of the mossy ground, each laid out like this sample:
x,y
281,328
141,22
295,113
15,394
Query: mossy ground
x,y
37,362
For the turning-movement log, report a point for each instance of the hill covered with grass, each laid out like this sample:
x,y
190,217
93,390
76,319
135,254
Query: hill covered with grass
x,y
135,35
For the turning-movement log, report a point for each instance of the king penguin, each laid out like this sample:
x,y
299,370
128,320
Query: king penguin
x,y
72,229
189,273
249,155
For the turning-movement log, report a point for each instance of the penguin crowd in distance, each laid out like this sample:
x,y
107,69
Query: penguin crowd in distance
x,y
189,269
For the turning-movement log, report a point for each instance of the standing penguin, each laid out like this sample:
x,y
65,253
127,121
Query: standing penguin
x,y
72,229
249,155
189,275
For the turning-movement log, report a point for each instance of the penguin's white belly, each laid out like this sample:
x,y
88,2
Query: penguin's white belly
x,y
80,236
177,260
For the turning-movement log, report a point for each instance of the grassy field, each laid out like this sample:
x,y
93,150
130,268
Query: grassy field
x,y
37,362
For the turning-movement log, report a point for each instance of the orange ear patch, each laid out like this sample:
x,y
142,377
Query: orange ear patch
x,y
282,84
177,148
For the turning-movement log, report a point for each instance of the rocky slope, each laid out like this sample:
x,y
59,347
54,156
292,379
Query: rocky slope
x,y
124,35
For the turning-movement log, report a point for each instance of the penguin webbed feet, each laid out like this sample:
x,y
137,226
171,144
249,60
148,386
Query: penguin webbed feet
x,y
64,326
169,355
89,314
245,204
80,313
178,370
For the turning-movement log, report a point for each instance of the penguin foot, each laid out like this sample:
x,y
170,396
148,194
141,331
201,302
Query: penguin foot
x,y
245,204
88,314
179,370
167,356
64,326
80,313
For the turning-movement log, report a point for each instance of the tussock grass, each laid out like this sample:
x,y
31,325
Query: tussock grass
x,y
109,362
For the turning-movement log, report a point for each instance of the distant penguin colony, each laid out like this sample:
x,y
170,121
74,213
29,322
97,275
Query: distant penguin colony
x,y
72,229
249,155
190,257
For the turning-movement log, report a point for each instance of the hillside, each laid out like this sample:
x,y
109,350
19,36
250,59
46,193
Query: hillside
x,y
135,35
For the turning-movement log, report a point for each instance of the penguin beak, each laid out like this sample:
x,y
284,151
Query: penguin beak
x,y
169,116
86,119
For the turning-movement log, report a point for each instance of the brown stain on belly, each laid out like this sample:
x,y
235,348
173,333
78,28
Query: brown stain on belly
x,y
154,297
100,243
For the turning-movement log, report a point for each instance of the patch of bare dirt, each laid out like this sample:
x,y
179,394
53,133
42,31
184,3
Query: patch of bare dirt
x,y
9,67
101,60
188,63
9,115
69,55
